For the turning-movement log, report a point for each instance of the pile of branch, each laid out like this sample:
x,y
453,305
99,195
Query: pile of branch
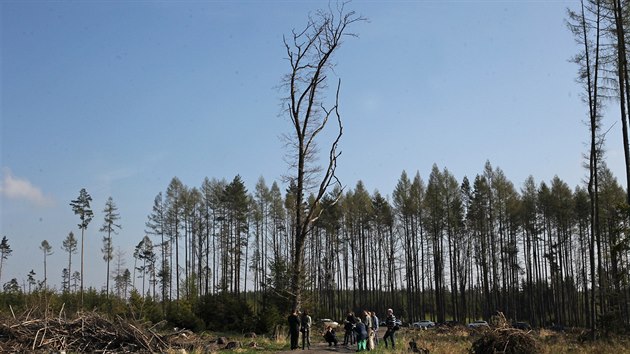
x,y
89,332
506,340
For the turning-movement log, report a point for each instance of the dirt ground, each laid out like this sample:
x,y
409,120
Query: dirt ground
x,y
319,346
323,348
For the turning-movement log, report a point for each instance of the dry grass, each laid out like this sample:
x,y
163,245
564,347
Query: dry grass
x,y
437,341
460,340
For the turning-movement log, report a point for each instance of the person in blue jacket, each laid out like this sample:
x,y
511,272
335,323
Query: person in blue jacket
x,y
361,330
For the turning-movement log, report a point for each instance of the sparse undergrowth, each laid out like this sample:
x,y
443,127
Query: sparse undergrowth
x,y
437,341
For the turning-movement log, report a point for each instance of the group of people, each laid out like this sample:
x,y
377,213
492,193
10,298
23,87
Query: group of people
x,y
300,323
362,330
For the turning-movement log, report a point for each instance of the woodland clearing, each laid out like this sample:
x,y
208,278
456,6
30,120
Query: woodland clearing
x,y
93,332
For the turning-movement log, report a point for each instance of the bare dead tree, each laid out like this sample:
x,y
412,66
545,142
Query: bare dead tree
x,y
586,28
309,53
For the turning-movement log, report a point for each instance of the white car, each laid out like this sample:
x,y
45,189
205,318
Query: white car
x,y
478,324
424,324
328,322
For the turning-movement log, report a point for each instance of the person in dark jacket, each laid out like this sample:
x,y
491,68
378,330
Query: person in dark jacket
x,y
348,326
390,322
361,331
330,336
294,329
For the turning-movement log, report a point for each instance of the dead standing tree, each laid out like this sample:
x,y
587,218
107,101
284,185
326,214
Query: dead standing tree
x,y
309,53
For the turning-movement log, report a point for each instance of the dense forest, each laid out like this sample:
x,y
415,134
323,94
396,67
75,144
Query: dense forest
x,y
435,248
439,249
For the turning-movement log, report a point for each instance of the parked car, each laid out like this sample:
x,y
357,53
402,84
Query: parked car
x,y
423,324
328,322
478,324
522,325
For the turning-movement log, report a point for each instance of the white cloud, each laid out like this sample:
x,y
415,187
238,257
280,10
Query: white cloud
x,y
21,189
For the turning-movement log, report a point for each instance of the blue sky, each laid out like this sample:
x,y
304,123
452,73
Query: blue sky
x,y
119,97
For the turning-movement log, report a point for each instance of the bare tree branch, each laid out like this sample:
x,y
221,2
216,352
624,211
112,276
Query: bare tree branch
x,y
309,53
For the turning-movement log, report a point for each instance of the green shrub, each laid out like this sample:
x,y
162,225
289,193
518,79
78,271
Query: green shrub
x,y
181,315
226,312
268,319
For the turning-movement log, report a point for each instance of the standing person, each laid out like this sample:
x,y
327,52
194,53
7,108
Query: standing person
x,y
348,326
367,320
390,322
362,335
375,327
294,329
306,330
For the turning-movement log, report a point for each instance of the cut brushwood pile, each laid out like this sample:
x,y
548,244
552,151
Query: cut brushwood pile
x,y
88,332
505,340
